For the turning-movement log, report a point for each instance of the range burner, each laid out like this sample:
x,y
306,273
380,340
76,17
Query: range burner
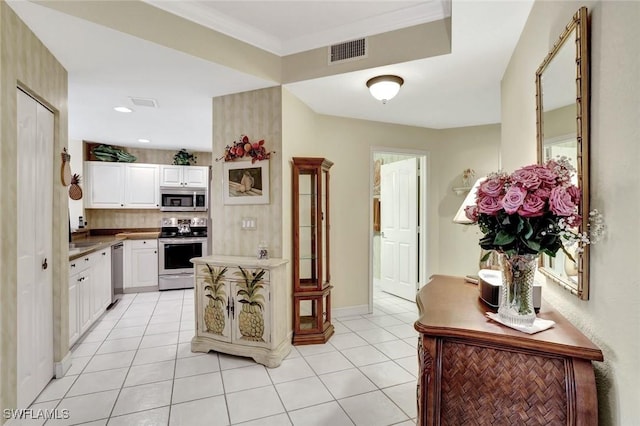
x,y
183,228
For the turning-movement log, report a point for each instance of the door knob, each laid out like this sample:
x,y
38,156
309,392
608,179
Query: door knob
x,y
382,234
44,264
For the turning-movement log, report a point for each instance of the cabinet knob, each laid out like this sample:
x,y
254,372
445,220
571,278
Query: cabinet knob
x,y
121,205
144,242
104,253
44,264
86,259
155,251
73,265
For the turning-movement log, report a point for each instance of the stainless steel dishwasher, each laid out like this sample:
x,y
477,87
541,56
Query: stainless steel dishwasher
x,y
117,254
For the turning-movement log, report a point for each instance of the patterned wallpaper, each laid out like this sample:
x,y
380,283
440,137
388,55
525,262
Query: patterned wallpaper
x,y
26,62
257,114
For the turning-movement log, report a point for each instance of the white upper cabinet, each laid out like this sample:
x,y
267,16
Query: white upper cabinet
x,y
181,176
104,185
171,175
196,176
142,189
121,185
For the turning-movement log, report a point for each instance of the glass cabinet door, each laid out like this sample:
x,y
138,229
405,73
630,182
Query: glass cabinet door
x,y
311,230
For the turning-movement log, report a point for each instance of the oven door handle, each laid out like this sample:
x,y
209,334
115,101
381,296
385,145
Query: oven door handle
x,y
182,240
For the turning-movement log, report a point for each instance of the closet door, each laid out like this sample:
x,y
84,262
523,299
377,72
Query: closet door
x,y
34,248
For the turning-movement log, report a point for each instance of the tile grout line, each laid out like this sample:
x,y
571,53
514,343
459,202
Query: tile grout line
x,y
134,356
406,310
175,359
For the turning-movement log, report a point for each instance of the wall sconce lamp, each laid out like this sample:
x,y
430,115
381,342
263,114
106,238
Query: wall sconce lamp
x,y
469,200
384,87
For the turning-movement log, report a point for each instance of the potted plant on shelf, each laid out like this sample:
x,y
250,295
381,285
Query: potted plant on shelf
x,y
184,158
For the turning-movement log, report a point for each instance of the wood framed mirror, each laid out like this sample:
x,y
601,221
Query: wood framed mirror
x,y
562,110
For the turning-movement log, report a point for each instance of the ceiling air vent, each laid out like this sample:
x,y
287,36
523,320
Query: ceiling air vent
x,y
348,51
144,102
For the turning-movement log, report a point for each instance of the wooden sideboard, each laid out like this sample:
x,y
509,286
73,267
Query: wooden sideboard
x,y
476,371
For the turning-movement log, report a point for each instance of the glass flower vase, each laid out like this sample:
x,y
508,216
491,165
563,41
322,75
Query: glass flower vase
x,y
516,303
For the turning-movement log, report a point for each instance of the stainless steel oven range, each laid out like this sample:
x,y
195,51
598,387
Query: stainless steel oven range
x,y
179,241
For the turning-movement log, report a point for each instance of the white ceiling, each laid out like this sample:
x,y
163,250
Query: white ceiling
x,y
106,67
286,27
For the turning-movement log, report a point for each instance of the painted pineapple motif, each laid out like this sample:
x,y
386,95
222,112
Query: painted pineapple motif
x,y
214,311
251,320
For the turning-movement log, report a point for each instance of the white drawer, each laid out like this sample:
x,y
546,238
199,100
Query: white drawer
x,y
81,263
137,244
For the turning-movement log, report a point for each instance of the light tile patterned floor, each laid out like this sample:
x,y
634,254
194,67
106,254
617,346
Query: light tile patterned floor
x,y
135,367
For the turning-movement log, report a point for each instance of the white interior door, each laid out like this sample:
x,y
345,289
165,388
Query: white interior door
x,y
34,246
399,228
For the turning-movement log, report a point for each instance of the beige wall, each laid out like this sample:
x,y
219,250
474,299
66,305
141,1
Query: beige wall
x,y
348,143
381,50
299,129
25,62
560,122
467,147
610,317
257,114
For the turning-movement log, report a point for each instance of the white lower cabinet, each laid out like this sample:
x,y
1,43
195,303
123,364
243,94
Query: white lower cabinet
x,y
242,308
89,291
140,264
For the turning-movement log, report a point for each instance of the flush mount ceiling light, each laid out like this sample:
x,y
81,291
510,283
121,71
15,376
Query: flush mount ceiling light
x,y
122,109
384,87
144,140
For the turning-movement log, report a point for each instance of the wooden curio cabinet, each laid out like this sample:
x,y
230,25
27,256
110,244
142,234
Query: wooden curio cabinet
x,y
311,272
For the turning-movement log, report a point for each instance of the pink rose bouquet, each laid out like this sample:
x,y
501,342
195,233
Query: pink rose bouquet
x,y
533,210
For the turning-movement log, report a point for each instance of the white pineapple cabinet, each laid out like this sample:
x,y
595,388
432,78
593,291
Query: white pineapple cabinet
x,y
245,314
89,291
183,176
121,185
140,265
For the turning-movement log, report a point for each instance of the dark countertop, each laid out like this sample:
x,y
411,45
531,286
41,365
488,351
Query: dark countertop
x,y
99,242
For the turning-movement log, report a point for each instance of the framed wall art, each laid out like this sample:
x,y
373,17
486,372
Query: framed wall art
x,y
245,182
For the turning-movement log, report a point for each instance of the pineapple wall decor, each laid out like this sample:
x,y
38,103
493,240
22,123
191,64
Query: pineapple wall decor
x,y
75,192
214,311
251,320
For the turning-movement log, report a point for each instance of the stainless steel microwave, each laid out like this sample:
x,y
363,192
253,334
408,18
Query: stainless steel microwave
x,y
183,199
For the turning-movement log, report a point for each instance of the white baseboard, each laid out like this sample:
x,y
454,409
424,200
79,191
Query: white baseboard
x,y
349,311
63,366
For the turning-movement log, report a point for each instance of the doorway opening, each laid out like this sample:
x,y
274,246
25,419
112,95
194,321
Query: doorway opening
x,y
398,231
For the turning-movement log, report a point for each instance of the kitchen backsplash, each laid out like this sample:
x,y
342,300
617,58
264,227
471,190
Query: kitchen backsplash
x,y
131,218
